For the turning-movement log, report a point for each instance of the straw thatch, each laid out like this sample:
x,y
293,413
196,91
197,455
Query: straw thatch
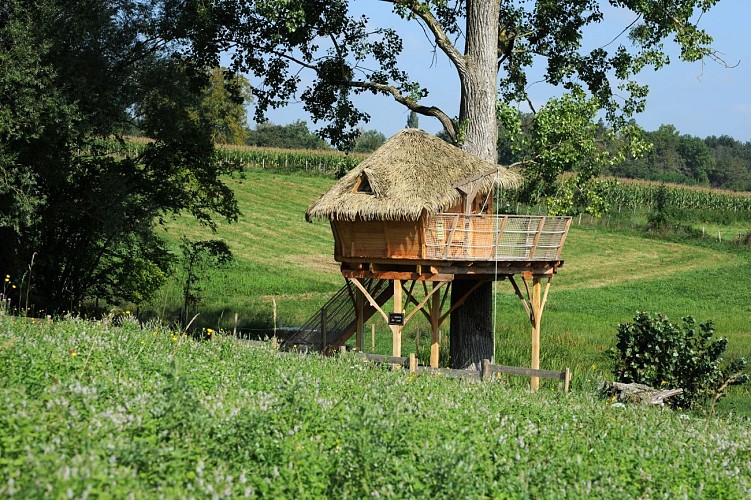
x,y
412,173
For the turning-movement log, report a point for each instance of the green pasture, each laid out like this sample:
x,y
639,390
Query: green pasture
x,y
285,264
122,409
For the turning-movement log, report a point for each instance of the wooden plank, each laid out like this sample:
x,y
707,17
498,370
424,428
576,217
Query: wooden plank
x,y
382,358
449,372
371,300
536,238
394,275
422,303
527,372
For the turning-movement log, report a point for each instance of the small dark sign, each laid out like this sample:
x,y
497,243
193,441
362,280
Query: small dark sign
x,y
396,318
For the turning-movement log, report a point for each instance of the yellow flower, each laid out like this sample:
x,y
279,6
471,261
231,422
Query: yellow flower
x,y
209,331
127,312
73,353
174,339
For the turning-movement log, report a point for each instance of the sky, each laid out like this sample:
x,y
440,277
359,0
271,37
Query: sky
x,y
699,99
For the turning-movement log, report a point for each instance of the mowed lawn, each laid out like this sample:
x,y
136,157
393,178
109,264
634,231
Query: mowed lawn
x,y
286,264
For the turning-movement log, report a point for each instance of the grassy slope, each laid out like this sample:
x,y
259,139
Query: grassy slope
x,y
607,277
90,408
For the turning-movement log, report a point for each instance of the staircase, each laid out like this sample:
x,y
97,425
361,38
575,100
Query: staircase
x,y
336,321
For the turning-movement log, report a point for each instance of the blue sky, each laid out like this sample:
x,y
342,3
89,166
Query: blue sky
x,y
699,99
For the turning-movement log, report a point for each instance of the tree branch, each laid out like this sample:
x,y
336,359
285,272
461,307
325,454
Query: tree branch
x,y
423,12
433,111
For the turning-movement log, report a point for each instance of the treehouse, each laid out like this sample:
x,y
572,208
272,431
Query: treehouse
x,y
419,210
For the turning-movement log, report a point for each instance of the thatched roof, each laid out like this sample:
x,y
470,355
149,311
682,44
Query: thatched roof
x,y
411,173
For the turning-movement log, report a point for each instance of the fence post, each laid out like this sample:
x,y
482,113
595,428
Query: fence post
x,y
412,362
372,337
485,371
567,381
342,350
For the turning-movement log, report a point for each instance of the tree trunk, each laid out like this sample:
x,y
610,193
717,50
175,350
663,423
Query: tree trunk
x,y
472,338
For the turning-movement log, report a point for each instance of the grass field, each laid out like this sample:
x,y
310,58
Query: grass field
x,y
118,409
281,259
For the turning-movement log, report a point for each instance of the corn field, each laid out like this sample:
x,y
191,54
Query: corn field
x,y
621,194
624,195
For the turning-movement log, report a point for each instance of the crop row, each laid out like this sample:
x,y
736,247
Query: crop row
x,y
325,162
621,194
631,195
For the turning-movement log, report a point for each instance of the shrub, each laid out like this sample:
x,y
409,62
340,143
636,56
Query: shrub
x,y
653,351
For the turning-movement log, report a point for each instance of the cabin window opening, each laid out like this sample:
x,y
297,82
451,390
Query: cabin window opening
x,y
363,185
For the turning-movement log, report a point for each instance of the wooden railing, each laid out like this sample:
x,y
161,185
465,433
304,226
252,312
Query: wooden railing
x,y
451,236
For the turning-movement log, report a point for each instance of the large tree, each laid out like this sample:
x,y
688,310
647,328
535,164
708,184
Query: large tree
x,y
323,54
78,207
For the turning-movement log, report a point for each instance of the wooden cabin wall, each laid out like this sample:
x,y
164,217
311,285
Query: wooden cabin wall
x,y
378,239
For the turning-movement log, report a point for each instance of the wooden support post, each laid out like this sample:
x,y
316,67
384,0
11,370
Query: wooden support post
x,y
485,373
396,330
435,335
536,317
342,350
360,314
412,362
372,337
567,381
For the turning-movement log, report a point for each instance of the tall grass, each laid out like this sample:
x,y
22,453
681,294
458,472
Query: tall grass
x,y
123,409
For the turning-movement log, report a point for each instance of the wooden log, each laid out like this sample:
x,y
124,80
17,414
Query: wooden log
x,y
639,393
527,372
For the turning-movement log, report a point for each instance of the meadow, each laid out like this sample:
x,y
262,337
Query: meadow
x,y
118,408
284,270
126,406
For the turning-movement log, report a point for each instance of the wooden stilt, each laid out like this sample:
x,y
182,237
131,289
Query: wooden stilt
x,y
359,311
536,313
396,330
435,324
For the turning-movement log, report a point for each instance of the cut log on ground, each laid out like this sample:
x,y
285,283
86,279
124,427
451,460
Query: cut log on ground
x,y
638,393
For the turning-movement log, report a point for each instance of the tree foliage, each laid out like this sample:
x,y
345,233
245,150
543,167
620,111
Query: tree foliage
x,y
652,350
325,53
716,161
222,107
368,141
72,74
294,135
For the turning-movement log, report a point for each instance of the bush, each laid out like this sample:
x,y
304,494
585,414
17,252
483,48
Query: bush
x,y
653,351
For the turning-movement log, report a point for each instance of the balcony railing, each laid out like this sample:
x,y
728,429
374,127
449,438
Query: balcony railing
x,y
495,237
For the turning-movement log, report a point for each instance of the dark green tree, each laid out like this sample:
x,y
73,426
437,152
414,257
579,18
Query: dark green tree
x,y
295,135
74,77
492,45
197,256
368,141
413,121
222,107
